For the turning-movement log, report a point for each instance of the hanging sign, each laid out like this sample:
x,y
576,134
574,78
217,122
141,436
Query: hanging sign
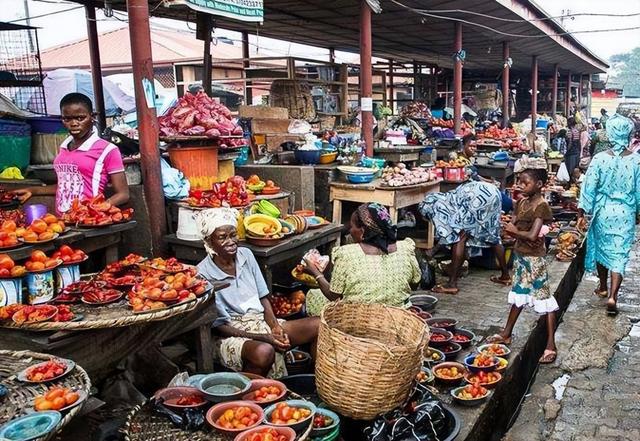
x,y
242,10
366,104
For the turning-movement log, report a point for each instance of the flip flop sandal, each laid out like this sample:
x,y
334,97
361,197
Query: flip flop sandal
x,y
612,310
499,281
548,357
498,339
439,289
602,294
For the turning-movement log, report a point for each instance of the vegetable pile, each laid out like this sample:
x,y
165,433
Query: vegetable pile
x,y
232,193
400,175
199,115
96,212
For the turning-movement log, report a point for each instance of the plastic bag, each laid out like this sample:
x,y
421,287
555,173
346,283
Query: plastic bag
x,y
428,271
174,184
299,127
563,173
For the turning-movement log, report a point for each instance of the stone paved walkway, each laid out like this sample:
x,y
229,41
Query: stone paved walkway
x,y
598,364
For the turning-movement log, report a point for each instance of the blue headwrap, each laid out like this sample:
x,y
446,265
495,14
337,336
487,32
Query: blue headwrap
x,y
618,130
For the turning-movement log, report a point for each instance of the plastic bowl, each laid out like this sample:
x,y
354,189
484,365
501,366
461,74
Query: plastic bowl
x,y
467,333
216,411
438,343
429,375
449,381
502,364
286,431
257,384
490,385
360,178
489,349
224,386
307,157
171,394
470,402
300,425
424,301
446,323
328,158
451,350
324,431
468,362
429,353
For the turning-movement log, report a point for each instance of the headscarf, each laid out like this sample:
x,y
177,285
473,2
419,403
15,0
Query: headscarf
x,y
618,130
210,220
379,231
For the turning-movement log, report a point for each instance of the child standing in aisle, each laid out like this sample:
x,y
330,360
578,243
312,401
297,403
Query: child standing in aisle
x,y
531,279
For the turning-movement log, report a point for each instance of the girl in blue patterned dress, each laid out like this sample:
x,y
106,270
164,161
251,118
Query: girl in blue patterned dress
x,y
611,195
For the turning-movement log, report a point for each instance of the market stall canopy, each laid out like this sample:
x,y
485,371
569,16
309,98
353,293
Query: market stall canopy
x,y
406,30
60,82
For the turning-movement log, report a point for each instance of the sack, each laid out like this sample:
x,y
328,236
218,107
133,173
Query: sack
x,y
428,271
563,174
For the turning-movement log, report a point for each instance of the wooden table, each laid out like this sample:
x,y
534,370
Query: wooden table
x,y
392,197
295,246
500,173
553,164
400,153
87,239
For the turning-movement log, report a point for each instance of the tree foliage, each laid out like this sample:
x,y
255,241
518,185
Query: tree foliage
x,y
627,71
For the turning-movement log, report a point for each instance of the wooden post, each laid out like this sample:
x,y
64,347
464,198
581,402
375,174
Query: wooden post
x,y
332,55
534,92
248,92
567,98
207,68
391,91
457,80
579,94
554,93
416,80
96,68
142,65
505,84
366,86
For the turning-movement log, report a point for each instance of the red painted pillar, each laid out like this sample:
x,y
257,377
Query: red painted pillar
x,y
142,64
534,91
457,80
391,91
505,84
366,87
567,98
248,92
96,68
554,93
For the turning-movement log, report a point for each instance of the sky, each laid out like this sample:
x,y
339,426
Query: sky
x,y
60,28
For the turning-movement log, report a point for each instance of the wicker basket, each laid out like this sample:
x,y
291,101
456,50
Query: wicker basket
x,y
368,357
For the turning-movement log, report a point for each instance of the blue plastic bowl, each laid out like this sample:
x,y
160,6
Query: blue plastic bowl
x,y
468,362
360,179
308,157
323,431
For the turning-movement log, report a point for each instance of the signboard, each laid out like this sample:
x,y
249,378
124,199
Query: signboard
x,y
242,10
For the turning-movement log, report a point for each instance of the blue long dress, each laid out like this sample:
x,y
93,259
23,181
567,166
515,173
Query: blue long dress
x,y
611,194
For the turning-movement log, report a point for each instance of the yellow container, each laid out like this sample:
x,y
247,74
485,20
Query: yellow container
x,y
226,169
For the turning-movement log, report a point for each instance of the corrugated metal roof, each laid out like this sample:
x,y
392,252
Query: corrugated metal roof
x,y
404,35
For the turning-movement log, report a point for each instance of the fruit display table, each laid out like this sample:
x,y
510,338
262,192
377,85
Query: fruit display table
x,y
267,257
392,197
400,153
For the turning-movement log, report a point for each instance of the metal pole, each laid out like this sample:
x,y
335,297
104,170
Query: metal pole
x,y
207,68
567,98
332,55
506,92
248,92
554,93
366,86
142,65
391,91
534,92
579,100
457,80
96,68
27,15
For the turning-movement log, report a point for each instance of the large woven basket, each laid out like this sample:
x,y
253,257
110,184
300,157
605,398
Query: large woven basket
x,y
368,357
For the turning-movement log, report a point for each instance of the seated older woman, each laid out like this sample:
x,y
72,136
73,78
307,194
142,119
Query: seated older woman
x,y
377,268
247,335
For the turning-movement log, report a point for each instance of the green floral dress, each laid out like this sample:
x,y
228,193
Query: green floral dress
x,y
363,278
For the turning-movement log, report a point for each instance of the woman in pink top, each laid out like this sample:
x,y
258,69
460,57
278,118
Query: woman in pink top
x,y
85,163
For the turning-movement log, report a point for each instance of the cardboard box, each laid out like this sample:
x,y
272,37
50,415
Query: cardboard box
x,y
262,125
263,112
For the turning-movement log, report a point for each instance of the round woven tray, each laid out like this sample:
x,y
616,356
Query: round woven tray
x,y
19,400
143,424
110,316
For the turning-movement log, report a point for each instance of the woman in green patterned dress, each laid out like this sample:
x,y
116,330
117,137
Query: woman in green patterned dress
x,y
377,268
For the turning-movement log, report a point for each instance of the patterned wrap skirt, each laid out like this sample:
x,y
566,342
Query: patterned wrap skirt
x,y
531,285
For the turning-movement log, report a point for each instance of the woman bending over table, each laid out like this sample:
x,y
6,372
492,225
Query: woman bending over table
x,y
247,335
377,268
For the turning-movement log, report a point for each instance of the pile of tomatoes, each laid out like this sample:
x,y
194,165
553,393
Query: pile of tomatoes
x,y
460,338
241,417
472,392
157,291
484,360
8,235
9,269
449,373
38,261
494,349
483,378
46,371
233,192
267,434
284,414
34,313
96,212
68,255
284,306
56,398
266,393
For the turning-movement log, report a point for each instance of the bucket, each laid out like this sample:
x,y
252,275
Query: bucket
x,y
198,164
40,287
66,275
187,227
10,291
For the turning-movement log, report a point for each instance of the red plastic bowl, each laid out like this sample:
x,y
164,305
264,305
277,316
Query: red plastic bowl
x,y
257,384
216,411
171,394
286,431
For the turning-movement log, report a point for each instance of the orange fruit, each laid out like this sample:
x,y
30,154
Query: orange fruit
x,y
49,218
59,403
30,236
37,266
8,225
6,262
18,271
38,226
20,231
38,256
50,263
47,235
